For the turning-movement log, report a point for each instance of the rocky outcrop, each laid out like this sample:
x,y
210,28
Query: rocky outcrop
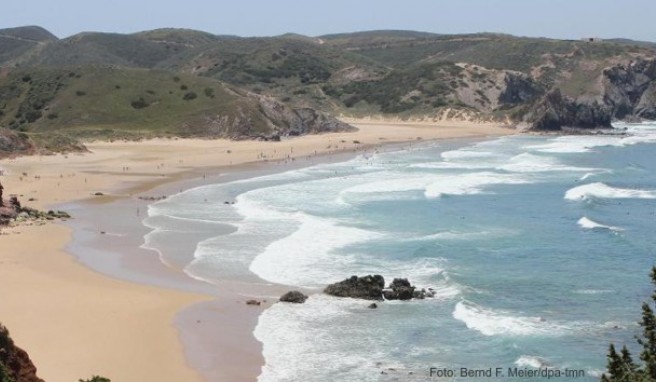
x,y
367,287
285,121
12,211
399,289
519,88
373,288
12,143
630,89
15,363
555,111
294,296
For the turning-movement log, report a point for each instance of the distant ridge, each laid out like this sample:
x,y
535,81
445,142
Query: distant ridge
x,y
188,82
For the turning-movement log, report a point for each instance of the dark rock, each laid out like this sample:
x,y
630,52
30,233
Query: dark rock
x,y
252,302
629,89
13,143
15,361
555,111
99,194
419,294
14,203
520,88
367,287
295,297
399,289
373,305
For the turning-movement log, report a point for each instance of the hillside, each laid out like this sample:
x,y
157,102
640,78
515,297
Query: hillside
x,y
15,363
185,82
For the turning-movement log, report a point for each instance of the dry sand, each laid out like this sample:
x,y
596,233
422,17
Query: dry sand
x,y
75,322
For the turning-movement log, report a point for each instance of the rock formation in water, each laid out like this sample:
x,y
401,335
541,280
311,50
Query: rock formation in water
x,y
399,289
367,287
295,297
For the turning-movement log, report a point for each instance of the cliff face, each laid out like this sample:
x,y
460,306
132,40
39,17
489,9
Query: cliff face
x,y
14,143
265,118
555,111
15,364
631,90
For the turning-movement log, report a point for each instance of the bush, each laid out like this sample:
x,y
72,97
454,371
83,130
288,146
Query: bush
x,y
621,367
183,87
140,103
80,93
209,92
189,96
96,378
33,116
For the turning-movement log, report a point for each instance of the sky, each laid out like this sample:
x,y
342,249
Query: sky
x,y
564,19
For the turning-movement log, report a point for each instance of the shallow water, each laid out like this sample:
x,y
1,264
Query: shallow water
x,y
539,249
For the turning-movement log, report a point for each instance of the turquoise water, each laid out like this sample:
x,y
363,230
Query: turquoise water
x,y
538,247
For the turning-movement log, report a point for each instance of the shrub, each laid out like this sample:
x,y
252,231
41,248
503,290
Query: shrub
x,y
209,92
189,96
183,87
140,103
52,116
621,367
96,378
80,93
33,115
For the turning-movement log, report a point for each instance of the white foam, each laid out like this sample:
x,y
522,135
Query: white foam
x,y
576,144
472,183
451,165
468,154
587,176
601,190
532,362
459,235
590,224
593,291
491,323
527,162
300,342
307,257
393,183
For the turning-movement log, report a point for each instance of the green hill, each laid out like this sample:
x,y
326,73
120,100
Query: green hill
x,y
186,82
16,42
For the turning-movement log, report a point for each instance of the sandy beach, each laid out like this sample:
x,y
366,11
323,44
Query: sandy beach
x,y
76,322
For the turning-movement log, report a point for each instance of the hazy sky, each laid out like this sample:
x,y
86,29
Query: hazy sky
x,y
547,18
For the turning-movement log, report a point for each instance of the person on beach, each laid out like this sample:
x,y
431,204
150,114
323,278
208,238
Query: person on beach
x,y
1,202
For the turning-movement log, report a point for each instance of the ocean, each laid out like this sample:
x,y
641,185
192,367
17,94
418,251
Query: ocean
x,y
539,249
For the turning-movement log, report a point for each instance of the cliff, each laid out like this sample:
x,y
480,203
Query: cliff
x,y
15,363
554,112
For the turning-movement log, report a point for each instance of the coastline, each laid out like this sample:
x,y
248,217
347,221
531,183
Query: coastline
x,y
179,307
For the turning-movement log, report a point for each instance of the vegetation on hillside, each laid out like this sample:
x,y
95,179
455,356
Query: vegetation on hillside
x,y
184,82
621,366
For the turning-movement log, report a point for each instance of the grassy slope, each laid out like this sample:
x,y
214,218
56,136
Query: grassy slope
x,y
396,72
94,100
16,42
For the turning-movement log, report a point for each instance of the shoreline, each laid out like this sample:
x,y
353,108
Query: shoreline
x,y
152,168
